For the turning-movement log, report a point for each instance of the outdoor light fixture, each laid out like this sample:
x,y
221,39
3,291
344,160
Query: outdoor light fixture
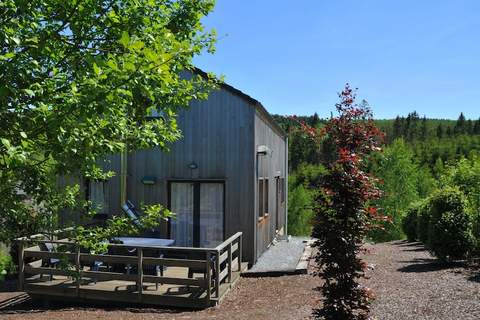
x,y
193,165
149,180
262,150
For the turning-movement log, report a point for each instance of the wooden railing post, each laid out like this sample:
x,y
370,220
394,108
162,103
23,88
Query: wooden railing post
x,y
229,262
140,273
217,274
240,253
209,277
21,265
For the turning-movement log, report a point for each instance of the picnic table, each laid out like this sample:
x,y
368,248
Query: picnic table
x,y
145,242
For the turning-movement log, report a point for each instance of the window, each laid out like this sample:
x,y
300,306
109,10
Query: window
x,y
262,197
282,190
97,194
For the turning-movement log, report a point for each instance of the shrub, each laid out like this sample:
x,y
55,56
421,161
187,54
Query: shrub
x,y
409,222
6,265
450,234
423,221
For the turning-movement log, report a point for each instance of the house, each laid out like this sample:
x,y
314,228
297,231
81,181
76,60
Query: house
x,y
227,174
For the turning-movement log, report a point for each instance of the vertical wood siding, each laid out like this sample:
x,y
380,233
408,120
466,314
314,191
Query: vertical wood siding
x,y
218,137
272,163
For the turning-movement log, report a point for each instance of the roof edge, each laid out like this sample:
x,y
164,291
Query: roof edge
x,y
257,104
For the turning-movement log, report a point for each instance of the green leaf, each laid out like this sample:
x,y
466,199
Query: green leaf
x,y
112,64
96,69
7,56
124,39
6,143
23,135
31,93
138,45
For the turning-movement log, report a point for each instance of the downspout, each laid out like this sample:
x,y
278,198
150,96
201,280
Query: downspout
x,y
123,177
286,186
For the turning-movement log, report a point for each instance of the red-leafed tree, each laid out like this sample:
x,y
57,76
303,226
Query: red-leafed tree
x,y
342,212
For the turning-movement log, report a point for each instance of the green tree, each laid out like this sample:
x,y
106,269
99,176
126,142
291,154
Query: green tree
x,y
301,197
476,127
300,211
400,185
461,125
440,131
77,80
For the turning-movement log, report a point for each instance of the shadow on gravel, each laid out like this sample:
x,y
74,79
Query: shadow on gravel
x,y
23,304
415,249
419,265
405,243
475,277
474,273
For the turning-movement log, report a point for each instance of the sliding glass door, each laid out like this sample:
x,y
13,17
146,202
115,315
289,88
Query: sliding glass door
x,y
181,203
199,209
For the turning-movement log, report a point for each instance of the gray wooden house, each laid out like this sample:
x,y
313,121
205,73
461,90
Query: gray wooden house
x,y
227,174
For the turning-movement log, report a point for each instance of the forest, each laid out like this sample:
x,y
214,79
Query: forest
x,y
421,158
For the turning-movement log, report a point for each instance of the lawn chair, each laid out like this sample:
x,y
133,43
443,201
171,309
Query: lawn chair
x,y
132,213
48,262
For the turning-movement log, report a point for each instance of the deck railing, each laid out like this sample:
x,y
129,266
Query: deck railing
x,y
218,263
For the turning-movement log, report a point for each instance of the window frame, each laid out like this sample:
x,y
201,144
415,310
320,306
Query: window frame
x,y
263,197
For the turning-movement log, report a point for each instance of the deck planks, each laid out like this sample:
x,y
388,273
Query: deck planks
x,y
126,291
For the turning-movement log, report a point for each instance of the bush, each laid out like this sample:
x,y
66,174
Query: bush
x,y
450,234
423,221
6,265
409,222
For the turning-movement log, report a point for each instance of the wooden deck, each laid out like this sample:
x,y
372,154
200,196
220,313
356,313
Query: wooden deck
x,y
215,274
62,287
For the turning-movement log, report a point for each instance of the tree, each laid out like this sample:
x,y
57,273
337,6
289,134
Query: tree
x,y
399,172
476,127
460,126
449,131
342,216
397,128
78,79
424,129
440,131
315,120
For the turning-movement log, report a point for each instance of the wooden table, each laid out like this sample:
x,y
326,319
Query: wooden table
x,y
145,242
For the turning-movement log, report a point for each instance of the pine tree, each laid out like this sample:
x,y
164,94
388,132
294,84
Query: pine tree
x,y
315,120
469,127
397,128
440,131
449,131
476,127
424,129
460,126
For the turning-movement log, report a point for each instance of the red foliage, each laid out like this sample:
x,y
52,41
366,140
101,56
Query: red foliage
x,y
343,215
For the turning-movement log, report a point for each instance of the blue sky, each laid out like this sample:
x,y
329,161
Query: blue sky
x,y
294,56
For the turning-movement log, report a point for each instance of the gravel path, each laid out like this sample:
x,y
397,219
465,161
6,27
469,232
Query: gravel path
x,y
410,284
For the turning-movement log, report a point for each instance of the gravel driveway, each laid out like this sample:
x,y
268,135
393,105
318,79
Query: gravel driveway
x,y
408,282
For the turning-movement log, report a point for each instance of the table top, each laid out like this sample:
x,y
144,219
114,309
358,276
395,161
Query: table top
x,y
145,242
